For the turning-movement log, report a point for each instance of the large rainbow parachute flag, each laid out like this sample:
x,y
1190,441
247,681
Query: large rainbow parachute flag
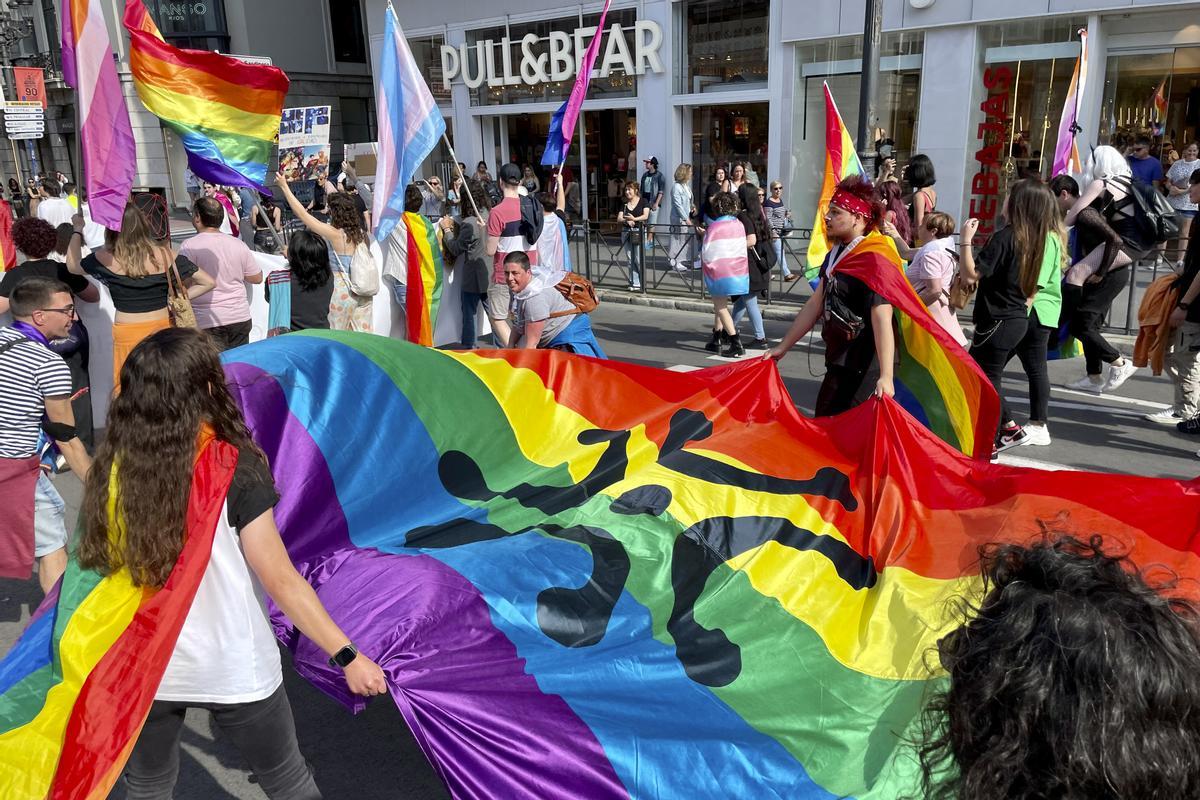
x,y
226,111
589,579
841,161
426,269
936,380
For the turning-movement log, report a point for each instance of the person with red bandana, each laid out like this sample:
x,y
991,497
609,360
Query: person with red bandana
x,y
857,322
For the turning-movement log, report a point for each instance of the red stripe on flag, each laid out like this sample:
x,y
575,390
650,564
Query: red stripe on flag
x,y
416,304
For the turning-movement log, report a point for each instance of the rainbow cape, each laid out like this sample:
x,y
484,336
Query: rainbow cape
x,y
77,686
425,272
841,161
589,579
936,380
8,249
226,111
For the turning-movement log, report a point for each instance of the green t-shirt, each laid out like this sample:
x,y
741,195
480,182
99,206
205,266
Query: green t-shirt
x,y
1048,300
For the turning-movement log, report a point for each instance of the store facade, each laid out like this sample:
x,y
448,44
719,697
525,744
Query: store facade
x,y
979,87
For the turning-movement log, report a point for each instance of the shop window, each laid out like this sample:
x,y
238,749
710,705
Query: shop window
x,y
721,46
725,134
358,120
838,62
196,26
346,21
1155,95
618,83
427,52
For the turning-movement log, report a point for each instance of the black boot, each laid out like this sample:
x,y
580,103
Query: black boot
x,y
714,344
735,347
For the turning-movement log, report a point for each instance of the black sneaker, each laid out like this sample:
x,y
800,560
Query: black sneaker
x,y
757,344
1011,437
1190,426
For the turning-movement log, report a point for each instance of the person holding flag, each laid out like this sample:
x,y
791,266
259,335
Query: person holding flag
x,y
857,328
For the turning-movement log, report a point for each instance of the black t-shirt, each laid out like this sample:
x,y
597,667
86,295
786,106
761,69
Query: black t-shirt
x,y
361,205
1000,296
252,491
310,308
1191,268
42,268
641,208
137,295
841,347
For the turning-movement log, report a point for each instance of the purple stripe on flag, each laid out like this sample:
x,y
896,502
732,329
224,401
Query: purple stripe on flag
x,y
580,89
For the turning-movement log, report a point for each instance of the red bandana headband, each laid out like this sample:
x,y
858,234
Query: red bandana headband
x,y
852,203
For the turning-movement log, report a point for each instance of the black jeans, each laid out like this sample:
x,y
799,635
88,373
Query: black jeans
x,y
1089,306
993,347
227,337
263,731
839,390
1032,352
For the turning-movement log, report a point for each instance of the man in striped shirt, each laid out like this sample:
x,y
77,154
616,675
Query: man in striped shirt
x,y
504,237
35,383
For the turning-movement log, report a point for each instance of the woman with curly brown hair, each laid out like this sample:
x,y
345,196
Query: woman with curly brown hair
x,y
1075,679
133,264
343,233
174,404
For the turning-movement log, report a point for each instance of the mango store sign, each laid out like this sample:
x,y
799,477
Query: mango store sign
x,y
558,60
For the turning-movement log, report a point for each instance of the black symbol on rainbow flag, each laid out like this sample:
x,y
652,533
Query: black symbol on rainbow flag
x,y
579,617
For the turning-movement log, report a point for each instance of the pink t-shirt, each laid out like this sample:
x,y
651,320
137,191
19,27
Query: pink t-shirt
x,y
504,222
228,261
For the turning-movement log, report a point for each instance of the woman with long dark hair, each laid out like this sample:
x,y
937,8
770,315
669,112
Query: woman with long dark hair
x,y
1019,272
310,282
920,176
173,403
1074,677
759,255
343,235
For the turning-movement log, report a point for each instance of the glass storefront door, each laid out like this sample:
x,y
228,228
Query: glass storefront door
x,y
612,158
1152,94
724,134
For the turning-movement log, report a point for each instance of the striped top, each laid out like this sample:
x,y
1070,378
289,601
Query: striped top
x,y
504,223
726,266
29,373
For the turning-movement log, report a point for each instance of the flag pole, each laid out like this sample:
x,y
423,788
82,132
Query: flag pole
x,y
458,167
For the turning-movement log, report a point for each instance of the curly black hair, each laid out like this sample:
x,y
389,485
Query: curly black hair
x,y
34,237
1077,679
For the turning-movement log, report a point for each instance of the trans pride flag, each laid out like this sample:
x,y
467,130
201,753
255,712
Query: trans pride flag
x,y
589,579
936,380
105,133
410,125
426,270
564,120
841,161
226,111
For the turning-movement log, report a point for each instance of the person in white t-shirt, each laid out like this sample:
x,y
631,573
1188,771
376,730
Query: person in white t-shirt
x,y
173,404
52,206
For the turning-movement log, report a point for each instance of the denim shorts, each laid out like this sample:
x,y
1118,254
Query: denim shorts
x,y
49,518
1189,213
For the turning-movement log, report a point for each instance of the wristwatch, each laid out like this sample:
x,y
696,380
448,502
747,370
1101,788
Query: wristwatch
x,y
343,657
1184,306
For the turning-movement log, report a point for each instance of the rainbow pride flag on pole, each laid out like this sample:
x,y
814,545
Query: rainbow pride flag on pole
x,y
105,132
936,380
426,270
565,119
226,111
410,125
590,579
1066,152
841,161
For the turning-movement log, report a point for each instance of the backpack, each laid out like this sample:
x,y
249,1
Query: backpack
x,y
1156,220
579,292
364,274
532,219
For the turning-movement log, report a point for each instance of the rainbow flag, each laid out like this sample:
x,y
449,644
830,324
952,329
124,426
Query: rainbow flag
x,y
425,272
225,110
936,380
614,581
1066,152
410,125
8,248
77,686
1159,100
841,161
105,132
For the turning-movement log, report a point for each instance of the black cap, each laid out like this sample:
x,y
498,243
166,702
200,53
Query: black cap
x,y
652,160
510,173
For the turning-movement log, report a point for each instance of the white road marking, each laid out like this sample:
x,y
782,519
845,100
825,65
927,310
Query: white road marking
x,y
1009,460
1133,401
683,368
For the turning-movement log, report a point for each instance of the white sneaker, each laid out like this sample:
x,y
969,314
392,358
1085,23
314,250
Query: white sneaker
x,y
1037,435
1086,384
1118,374
1168,416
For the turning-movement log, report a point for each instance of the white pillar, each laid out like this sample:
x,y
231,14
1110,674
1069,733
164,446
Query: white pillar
x,y
468,140
657,131
1090,104
781,84
949,106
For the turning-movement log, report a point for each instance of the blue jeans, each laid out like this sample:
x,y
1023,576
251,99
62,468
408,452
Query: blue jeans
x,y
49,518
748,304
778,245
470,309
633,251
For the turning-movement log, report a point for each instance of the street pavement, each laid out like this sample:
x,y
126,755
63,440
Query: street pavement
x,y
374,755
